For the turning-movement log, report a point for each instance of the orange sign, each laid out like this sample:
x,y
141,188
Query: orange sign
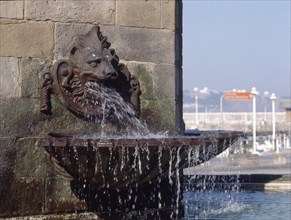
x,y
238,95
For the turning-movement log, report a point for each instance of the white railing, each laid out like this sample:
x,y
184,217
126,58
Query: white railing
x,y
235,121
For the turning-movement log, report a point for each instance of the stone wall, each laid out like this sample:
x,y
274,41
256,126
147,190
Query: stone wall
x,y
146,35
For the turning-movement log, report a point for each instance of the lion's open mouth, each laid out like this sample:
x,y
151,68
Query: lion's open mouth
x,y
91,77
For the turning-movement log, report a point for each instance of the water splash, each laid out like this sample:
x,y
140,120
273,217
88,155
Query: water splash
x,y
212,204
116,109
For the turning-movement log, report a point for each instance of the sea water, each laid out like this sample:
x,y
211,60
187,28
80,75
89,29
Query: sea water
x,y
239,205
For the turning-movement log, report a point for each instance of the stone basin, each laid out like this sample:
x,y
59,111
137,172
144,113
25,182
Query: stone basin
x,y
120,174
125,161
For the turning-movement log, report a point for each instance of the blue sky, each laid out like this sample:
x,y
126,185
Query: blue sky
x,y
237,45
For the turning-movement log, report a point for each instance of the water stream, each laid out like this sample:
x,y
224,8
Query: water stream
x,y
116,110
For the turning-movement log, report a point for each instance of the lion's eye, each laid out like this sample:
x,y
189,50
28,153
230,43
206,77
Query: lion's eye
x,y
94,63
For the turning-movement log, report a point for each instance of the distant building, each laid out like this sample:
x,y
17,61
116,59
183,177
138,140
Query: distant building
x,y
286,104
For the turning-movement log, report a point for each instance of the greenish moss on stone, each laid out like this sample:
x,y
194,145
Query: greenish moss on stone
x,y
159,114
18,117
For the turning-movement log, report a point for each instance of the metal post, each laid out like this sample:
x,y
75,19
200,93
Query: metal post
x,y
221,114
276,147
196,110
254,92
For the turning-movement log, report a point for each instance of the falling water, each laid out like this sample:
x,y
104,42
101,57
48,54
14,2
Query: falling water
x,y
121,173
117,110
210,196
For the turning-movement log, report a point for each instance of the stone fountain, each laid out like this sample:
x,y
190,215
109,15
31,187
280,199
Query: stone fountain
x,y
125,168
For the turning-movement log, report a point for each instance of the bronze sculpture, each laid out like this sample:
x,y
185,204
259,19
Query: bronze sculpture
x,y
75,81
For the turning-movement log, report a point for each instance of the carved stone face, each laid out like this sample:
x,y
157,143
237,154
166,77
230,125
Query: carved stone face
x,y
96,64
91,58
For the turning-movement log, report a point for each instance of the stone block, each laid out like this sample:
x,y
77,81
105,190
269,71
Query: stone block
x,y
168,14
139,13
144,72
11,9
31,71
65,35
63,121
21,117
155,80
9,77
91,11
140,44
29,39
25,197
60,198
31,159
159,114
18,117
7,161
164,81
131,44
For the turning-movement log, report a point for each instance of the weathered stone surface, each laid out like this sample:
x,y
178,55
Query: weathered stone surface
x,y
28,184
164,81
158,93
18,117
72,10
65,35
132,44
9,77
21,117
144,72
155,80
7,161
31,71
139,13
168,14
60,198
145,45
30,39
11,9
30,159
159,114
26,196
63,121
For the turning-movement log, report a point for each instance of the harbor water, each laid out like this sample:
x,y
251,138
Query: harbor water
x,y
238,205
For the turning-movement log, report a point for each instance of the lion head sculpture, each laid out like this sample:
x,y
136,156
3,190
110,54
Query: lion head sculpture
x,y
92,65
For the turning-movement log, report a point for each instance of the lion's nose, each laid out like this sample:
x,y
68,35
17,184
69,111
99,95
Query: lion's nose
x,y
112,74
